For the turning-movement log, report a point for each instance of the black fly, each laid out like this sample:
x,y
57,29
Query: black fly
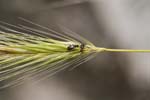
x,y
82,47
73,46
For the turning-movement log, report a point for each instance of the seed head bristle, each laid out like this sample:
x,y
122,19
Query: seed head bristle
x,y
33,53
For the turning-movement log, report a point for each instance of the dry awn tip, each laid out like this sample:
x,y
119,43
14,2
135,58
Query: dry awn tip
x,y
27,52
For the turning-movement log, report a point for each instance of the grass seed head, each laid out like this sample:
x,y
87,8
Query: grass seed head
x,y
41,54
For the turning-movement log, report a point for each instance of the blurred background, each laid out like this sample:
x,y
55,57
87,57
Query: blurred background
x,y
106,23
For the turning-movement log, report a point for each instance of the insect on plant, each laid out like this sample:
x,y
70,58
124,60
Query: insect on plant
x,y
41,54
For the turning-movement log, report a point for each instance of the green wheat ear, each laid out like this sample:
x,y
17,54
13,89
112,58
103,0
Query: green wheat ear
x,y
41,54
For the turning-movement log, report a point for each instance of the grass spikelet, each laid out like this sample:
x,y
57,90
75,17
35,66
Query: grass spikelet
x,y
24,55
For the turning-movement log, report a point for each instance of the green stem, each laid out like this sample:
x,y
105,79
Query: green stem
x,y
123,50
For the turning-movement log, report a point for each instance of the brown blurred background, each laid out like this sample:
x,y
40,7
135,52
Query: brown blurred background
x,y
113,24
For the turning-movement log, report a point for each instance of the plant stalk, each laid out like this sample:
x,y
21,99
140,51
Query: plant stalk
x,y
122,50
